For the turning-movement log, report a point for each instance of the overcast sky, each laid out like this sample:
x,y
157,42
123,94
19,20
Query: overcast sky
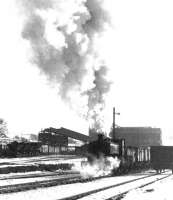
x,y
138,50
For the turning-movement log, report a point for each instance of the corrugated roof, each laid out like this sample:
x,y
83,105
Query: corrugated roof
x,y
69,133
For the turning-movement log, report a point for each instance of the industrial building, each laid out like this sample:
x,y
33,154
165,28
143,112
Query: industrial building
x,y
61,140
139,136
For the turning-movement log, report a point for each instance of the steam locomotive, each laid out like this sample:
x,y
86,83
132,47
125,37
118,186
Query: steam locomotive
x,y
130,157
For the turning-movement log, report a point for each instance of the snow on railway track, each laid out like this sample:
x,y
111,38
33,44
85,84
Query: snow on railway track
x,y
40,159
97,188
12,182
117,191
54,180
35,175
34,183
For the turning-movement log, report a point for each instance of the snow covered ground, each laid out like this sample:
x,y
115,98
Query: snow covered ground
x,y
58,192
12,178
162,190
50,159
33,179
32,173
63,191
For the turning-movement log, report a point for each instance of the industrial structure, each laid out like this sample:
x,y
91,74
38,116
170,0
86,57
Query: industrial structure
x,y
139,136
61,140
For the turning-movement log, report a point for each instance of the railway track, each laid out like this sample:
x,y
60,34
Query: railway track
x,y
120,196
71,179
38,159
63,180
105,192
35,175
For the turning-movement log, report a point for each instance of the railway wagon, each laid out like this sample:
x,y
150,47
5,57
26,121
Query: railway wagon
x,y
161,158
138,157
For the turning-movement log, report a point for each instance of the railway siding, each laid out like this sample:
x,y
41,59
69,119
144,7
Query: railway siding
x,y
117,193
116,190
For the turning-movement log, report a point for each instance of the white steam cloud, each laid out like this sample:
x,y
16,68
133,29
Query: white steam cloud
x,y
62,36
101,166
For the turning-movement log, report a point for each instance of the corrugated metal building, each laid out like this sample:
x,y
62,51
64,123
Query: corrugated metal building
x,y
61,140
139,136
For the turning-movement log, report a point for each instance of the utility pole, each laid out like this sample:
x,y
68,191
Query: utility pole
x,y
114,113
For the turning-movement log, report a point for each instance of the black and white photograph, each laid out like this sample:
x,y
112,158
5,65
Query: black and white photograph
x,y
86,100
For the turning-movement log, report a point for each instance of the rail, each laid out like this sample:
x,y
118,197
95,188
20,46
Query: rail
x,y
86,194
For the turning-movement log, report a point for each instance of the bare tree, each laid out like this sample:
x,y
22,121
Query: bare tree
x,y
3,128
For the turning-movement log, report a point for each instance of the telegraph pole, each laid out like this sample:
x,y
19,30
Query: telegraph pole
x,y
114,113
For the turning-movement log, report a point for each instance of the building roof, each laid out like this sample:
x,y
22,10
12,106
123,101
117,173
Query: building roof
x,y
145,128
68,133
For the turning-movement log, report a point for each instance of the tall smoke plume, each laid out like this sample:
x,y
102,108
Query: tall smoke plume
x,y
62,35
